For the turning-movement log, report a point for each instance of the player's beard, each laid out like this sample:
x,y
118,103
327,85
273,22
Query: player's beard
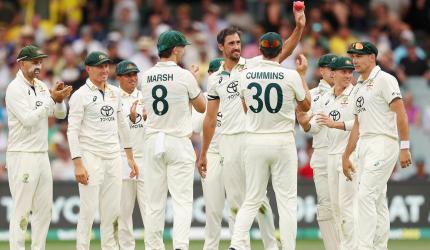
x,y
233,55
33,71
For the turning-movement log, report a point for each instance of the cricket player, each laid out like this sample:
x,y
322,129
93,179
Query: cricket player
x,y
29,102
336,113
380,120
212,181
169,158
325,216
132,108
270,93
96,123
223,93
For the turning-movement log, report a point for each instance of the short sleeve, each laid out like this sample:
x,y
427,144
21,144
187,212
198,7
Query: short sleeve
x,y
192,86
297,86
390,89
212,83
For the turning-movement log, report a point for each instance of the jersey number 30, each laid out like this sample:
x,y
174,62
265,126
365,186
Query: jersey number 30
x,y
160,99
266,97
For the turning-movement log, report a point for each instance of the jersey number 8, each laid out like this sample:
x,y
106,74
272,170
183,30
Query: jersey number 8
x,y
266,97
160,98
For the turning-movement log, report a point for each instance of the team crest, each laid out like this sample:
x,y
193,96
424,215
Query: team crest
x,y
344,101
358,46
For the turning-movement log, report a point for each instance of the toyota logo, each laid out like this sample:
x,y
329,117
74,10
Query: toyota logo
x,y
39,103
335,115
359,102
232,87
138,118
106,110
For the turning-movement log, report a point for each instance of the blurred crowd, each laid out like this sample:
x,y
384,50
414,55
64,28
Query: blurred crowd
x,y
68,30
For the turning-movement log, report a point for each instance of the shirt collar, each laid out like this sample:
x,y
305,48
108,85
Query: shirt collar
x,y
324,84
372,75
93,87
221,70
133,94
166,63
21,75
345,92
270,63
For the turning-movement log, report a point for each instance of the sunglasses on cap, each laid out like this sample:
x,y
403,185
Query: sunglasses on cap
x,y
357,46
270,44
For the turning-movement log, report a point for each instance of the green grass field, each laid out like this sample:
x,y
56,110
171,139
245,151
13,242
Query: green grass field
x,y
256,245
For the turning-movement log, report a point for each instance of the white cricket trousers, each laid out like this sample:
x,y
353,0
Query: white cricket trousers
x,y
342,195
269,155
214,197
377,157
233,164
325,217
131,189
171,171
103,193
30,183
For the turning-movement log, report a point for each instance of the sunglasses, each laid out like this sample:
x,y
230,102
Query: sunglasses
x,y
357,46
267,44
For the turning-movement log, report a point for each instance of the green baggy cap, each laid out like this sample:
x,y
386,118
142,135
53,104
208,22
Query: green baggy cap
x,y
326,59
30,52
341,62
270,43
170,39
362,48
125,67
96,58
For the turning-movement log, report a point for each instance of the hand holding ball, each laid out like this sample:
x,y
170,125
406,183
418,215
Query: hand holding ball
x,y
298,5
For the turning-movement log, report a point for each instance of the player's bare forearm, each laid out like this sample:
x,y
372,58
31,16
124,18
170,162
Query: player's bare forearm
x,y
77,162
353,139
129,153
291,43
209,124
398,107
305,105
304,120
402,119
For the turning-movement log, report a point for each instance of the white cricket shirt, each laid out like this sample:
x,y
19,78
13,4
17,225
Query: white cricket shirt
x,y
137,128
224,85
167,90
96,120
28,109
320,137
372,99
339,109
270,92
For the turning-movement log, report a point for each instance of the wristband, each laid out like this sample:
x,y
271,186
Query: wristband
x,y
404,144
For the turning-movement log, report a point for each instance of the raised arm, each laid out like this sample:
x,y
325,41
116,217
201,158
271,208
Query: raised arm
x,y
291,43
